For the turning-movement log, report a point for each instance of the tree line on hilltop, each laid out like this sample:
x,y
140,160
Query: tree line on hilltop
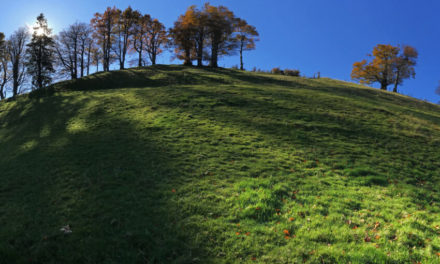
x,y
32,58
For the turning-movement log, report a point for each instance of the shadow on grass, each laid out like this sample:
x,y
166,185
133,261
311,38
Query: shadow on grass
x,y
112,186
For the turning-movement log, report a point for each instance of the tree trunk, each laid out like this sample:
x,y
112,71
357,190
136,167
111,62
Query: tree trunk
x,y
200,51
15,77
187,61
396,82
140,58
241,56
214,55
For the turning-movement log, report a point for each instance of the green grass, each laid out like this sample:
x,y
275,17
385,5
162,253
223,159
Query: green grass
x,y
169,164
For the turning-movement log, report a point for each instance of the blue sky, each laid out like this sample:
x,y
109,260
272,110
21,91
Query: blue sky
x,y
311,35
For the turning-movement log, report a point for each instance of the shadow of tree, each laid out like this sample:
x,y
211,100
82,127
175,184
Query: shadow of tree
x,y
97,172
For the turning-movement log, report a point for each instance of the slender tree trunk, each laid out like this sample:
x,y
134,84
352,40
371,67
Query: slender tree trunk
x,y
140,58
200,50
15,69
383,86
241,56
396,82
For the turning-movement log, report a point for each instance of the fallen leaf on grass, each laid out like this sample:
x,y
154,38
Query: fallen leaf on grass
x,y
173,190
286,232
377,237
237,233
291,219
66,229
367,239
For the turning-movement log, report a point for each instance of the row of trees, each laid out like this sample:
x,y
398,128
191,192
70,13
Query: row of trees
x,y
389,65
117,37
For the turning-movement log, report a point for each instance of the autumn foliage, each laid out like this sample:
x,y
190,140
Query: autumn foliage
x,y
389,65
209,33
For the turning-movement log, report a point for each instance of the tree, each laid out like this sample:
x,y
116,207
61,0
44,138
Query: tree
x,y
16,47
139,33
4,71
220,26
124,30
40,54
387,66
246,36
156,38
182,35
198,20
104,27
85,43
73,49
95,56
404,66
380,69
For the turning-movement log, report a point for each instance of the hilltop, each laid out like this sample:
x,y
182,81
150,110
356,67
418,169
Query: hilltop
x,y
173,164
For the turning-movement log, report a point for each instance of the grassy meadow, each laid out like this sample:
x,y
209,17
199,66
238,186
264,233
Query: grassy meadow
x,y
172,164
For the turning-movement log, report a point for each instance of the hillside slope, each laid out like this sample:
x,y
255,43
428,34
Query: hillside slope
x,y
169,164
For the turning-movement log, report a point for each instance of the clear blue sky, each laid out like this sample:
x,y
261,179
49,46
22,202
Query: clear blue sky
x,y
311,35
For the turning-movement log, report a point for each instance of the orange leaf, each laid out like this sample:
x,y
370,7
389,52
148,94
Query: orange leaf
x,y
291,219
286,237
377,237
438,254
173,190
286,232
248,233
355,227
237,233
253,258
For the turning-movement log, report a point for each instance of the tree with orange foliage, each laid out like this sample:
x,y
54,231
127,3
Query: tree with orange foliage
x,y
246,37
182,35
220,26
387,67
105,25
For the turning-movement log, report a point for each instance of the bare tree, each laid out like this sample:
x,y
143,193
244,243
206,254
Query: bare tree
x,y
16,48
85,42
4,70
73,49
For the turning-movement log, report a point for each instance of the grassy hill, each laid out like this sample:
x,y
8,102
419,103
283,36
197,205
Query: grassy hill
x,y
169,164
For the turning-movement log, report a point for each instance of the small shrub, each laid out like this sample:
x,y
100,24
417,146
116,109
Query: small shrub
x,y
277,70
235,67
289,72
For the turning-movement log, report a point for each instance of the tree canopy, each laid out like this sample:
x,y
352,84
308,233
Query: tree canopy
x,y
389,65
